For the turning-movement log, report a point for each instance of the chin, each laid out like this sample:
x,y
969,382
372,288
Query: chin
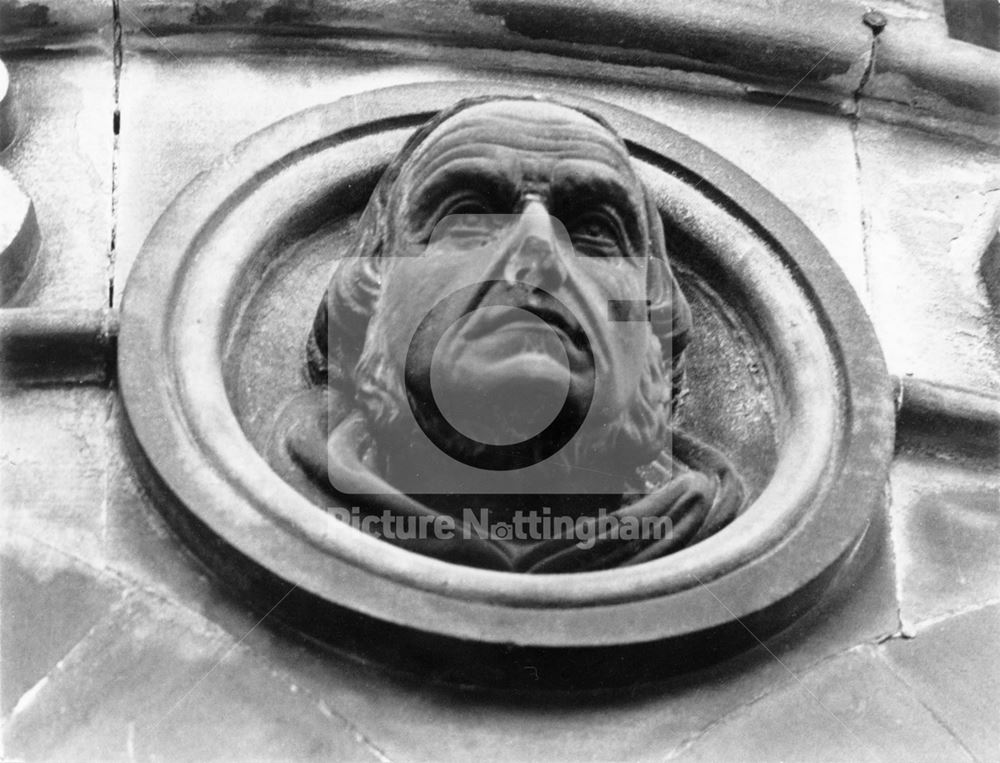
x,y
635,436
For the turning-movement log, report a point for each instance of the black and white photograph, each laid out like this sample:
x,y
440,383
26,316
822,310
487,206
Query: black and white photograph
x,y
405,381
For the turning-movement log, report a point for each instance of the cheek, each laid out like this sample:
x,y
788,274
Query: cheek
x,y
621,292
629,343
620,380
411,289
400,309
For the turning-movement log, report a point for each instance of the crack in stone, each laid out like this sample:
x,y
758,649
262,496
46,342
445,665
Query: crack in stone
x,y
916,698
797,679
134,590
902,628
687,744
25,700
117,60
930,622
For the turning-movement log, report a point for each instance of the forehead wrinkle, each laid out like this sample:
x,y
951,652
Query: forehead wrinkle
x,y
563,132
539,113
501,156
549,140
462,154
467,170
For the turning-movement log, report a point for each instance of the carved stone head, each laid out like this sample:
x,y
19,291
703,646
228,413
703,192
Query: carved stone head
x,y
530,213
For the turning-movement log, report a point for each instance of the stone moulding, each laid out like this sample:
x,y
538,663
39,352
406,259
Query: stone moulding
x,y
828,52
275,548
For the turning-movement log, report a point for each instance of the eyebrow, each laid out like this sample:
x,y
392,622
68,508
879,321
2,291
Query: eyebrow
x,y
594,185
572,185
480,175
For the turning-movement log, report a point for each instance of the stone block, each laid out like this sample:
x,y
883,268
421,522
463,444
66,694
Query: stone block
x,y
62,157
951,667
933,205
53,442
156,681
849,708
946,530
49,602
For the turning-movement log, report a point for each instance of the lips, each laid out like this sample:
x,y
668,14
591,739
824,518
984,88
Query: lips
x,y
495,321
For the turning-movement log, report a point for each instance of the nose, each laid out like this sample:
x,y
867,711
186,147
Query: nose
x,y
534,255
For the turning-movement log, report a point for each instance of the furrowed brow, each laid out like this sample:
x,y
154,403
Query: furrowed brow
x,y
572,190
481,177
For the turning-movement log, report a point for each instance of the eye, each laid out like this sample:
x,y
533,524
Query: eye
x,y
467,206
596,234
464,222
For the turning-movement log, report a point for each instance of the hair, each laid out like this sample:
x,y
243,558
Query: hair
x,y
352,360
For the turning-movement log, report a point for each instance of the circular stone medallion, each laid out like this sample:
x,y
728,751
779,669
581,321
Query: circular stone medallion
x,y
785,375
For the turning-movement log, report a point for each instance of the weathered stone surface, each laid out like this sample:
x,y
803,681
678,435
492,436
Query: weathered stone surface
x,y
824,47
141,548
932,207
916,64
37,23
225,100
951,667
805,159
62,482
53,469
823,51
649,722
153,680
49,601
848,708
946,530
62,157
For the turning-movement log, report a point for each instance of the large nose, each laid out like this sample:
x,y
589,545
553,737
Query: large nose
x,y
535,255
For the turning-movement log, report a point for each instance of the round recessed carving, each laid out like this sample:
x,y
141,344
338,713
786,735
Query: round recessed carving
x,y
785,374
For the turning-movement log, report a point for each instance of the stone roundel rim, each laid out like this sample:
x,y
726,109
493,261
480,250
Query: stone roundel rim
x,y
226,487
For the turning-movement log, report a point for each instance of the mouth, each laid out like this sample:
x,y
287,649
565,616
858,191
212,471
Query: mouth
x,y
492,323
